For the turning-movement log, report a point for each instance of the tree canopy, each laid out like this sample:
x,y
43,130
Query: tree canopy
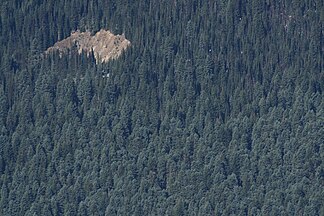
x,y
216,109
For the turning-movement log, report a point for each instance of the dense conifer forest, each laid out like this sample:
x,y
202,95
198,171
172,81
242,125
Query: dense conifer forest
x,y
217,108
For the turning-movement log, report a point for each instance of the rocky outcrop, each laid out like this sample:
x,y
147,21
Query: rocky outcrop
x,y
104,45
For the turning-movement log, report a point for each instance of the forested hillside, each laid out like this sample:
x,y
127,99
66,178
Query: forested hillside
x,y
217,108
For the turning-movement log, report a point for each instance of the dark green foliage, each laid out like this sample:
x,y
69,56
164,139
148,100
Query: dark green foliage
x,y
216,109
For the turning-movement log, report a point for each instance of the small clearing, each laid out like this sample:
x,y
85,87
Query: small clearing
x,y
104,44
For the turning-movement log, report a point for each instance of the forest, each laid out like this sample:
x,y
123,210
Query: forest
x,y
216,108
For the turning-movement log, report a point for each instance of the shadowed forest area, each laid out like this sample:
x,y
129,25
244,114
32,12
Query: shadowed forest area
x,y
216,108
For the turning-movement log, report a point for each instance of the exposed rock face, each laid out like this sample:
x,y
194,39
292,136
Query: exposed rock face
x,y
104,45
